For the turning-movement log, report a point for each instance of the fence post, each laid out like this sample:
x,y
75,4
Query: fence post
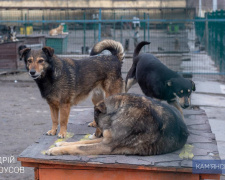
x,y
121,30
43,27
144,29
84,47
99,24
94,26
25,25
148,31
206,31
114,26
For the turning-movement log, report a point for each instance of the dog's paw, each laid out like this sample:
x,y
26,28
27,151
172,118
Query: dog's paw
x,y
53,152
58,144
92,136
62,135
51,132
92,124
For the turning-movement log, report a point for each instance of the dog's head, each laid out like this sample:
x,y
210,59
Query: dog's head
x,y
36,61
11,32
182,88
60,27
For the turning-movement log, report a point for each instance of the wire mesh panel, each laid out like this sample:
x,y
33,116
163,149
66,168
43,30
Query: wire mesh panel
x,y
186,44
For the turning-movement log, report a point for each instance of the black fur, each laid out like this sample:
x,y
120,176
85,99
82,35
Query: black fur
x,y
156,80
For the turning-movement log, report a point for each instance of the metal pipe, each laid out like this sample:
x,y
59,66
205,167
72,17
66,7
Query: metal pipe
x,y
214,5
200,8
99,25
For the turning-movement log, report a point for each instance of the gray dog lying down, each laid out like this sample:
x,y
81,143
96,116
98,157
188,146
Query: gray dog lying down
x,y
131,124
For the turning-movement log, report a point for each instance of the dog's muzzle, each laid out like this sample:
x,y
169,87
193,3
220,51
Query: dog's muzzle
x,y
34,74
185,102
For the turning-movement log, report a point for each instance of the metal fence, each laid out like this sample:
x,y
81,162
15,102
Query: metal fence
x,y
210,32
176,36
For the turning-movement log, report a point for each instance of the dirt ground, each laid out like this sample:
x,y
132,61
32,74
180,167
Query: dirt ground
x,y
24,117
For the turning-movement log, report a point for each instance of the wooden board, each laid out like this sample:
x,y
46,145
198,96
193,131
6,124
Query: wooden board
x,y
9,58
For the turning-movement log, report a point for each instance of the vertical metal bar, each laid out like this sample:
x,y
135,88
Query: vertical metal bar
x,y
94,27
121,31
200,8
99,24
148,31
206,32
84,47
114,26
144,29
214,5
42,23
25,25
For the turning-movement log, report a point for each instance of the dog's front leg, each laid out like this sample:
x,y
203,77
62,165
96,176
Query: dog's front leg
x,y
81,149
64,110
176,105
54,115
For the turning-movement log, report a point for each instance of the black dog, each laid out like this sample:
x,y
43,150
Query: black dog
x,y
158,81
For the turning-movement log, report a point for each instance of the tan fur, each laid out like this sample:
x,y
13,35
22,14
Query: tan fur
x,y
87,147
177,105
182,101
110,43
132,125
66,82
56,31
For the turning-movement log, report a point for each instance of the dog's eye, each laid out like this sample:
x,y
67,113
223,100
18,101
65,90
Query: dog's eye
x,y
40,61
29,61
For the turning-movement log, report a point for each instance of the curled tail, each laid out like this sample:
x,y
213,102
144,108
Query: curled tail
x,y
138,48
131,75
114,47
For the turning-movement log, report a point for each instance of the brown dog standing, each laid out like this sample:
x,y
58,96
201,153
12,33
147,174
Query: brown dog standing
x,y
66,82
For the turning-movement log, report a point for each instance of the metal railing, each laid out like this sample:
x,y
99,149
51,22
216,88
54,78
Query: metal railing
x,y
177,38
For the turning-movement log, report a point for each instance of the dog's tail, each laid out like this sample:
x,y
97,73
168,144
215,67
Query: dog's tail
x,y
138,48
114,47
131,75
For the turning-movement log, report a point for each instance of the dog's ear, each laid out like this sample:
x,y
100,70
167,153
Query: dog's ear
x,y
169,83
23,52
14,28
101,108
48,51
193,86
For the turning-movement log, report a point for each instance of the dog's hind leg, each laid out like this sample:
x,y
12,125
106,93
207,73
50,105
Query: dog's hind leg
x,y
54,115
64,116
97,96
112,87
